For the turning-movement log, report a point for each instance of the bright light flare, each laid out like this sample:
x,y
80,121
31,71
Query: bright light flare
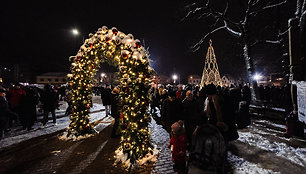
x,y
257,77
174,77
75,32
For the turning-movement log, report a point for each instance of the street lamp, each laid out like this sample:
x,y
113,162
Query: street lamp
x,y
103,75
257,77
75,32
174,77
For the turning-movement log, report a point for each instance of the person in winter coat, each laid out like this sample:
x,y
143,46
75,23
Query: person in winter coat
x,y
220,112
5,112
163,96
28,107
180,93
155,100
213,106
49,99
115,110
191,111
208,151
179,145
106,97
14,96
68,99
171,111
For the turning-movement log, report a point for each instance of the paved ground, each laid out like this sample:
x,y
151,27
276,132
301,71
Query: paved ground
x,y
48,154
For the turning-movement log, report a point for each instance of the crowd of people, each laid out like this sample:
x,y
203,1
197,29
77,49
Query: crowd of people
x,y
190,113
186,111
276,96
19,104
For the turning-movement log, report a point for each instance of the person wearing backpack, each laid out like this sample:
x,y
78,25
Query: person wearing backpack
x,y
208,151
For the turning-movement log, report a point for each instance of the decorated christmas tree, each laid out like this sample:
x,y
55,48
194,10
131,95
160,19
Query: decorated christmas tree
x,y
211,72
123,51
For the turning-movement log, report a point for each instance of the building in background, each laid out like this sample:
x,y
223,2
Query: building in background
x,y
227,81
194,79
55,78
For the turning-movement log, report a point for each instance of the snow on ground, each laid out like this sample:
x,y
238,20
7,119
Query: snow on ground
x,y
241,166
61,123
296,155
272,124
275,125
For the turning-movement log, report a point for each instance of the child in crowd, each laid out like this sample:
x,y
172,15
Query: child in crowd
x,y
179,145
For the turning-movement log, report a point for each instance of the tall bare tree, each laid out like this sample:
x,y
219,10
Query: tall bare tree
x,y
238,26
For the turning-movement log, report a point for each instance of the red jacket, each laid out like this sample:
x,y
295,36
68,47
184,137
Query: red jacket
x,y
15,96
179,149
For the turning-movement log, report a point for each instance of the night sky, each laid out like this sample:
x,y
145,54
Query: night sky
x,y
39,34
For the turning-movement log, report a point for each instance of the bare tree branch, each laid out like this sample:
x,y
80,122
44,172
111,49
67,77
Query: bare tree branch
x,y
232,31
192,12
255,2
255,12
198,44
226,8
204,15
285,32
265,41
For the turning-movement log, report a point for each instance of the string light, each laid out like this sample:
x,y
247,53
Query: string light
x,y
121,50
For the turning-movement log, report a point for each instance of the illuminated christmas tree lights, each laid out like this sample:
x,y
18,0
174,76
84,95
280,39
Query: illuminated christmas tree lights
x,y
132,60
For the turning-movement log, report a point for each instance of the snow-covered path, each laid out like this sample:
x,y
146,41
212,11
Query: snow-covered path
x,y
17,135
262,149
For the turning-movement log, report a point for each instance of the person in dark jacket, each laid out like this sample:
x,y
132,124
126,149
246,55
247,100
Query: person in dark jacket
x,y
155,100
220,111
115,111
191,111
171,111
28,107
106,97
5,112
49,100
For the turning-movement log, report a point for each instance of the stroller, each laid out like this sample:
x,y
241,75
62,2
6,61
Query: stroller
x,y
208,151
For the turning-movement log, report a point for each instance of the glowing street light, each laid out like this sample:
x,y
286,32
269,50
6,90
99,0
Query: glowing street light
x,y
75,32
257,77
102,76
174,77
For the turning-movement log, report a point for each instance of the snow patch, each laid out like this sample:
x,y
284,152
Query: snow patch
x,y
241,166
49,128
64,137
296,155
122,158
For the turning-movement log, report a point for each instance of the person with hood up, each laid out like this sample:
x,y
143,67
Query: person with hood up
x,y
179,146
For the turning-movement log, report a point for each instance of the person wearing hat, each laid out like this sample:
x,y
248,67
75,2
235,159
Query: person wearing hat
x,y
213,107
179,146
171,110
219,113
5,112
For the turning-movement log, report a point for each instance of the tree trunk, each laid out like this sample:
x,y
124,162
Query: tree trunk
x,y
250,71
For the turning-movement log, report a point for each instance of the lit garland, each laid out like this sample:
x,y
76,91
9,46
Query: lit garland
x,y
132,60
